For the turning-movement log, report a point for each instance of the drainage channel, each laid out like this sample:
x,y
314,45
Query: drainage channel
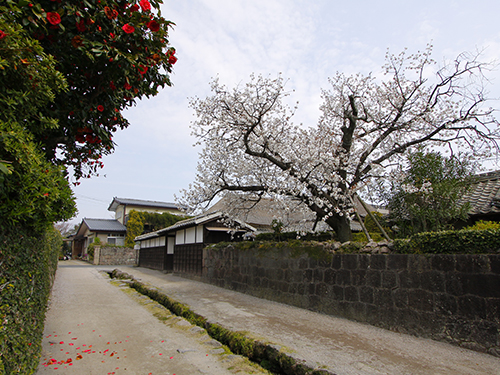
x,y
266,355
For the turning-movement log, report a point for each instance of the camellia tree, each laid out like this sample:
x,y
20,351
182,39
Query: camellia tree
x,y
253,148
33,191
111,53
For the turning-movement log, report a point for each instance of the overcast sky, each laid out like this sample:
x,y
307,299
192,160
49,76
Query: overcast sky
x,y
305,40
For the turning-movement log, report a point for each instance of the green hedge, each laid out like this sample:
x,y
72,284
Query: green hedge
x,y
27,267
464,241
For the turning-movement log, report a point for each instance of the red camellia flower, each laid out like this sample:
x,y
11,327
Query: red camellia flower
x,y
100,108
127,86
110,13
153,26
145,5
172,60
129,29
134,8
80,26
143,69
2,35
53,18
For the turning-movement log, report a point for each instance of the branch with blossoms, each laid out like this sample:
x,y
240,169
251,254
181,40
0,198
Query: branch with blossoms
x,y
251,146
112,53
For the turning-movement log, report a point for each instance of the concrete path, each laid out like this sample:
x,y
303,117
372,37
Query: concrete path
x,y
96,326
341,346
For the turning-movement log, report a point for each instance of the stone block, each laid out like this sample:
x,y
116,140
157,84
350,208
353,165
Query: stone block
x,y
486,333
313,263
420,299
443,262
471,307
383,298
378,262
397,262
409,279
493,310
366,294
303,263
363,261
321,290
494,263
343,277
318,275
337,293
483,285
311,288
373,278
400,298
350,261
445,304
351,294
358,277
389,279
454,284
337,261
472,263
433,281
418,263
329,276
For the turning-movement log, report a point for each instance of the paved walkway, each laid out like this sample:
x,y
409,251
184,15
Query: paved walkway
x,y
94,326
101,329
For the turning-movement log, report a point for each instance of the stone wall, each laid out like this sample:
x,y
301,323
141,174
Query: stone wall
x,y
452,298
105,255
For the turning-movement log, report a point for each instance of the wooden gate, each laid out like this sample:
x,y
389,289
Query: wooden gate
x,y
153,257
189,258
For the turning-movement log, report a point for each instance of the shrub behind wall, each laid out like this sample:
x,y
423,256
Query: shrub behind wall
x,y
27,268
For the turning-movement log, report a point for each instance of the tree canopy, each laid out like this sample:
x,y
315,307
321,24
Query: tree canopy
x,y
140,222
33,191
252,147
111,53
426,194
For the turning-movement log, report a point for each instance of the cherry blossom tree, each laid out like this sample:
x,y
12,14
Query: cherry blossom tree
x,y
252,147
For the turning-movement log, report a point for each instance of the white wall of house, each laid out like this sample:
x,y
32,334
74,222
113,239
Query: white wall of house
x,y
170,245
105,238
189,235
120,214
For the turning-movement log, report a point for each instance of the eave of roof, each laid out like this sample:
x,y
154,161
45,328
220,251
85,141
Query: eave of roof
x,y
104,225
197,220
142,203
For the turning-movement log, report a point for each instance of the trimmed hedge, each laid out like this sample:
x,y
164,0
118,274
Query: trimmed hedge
x,y
465,241
27,268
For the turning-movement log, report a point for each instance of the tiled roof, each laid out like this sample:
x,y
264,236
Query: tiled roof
x,y
104,225
484,195
140,202
263,212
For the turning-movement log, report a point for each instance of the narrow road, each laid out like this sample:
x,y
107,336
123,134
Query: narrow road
x,y
94,326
